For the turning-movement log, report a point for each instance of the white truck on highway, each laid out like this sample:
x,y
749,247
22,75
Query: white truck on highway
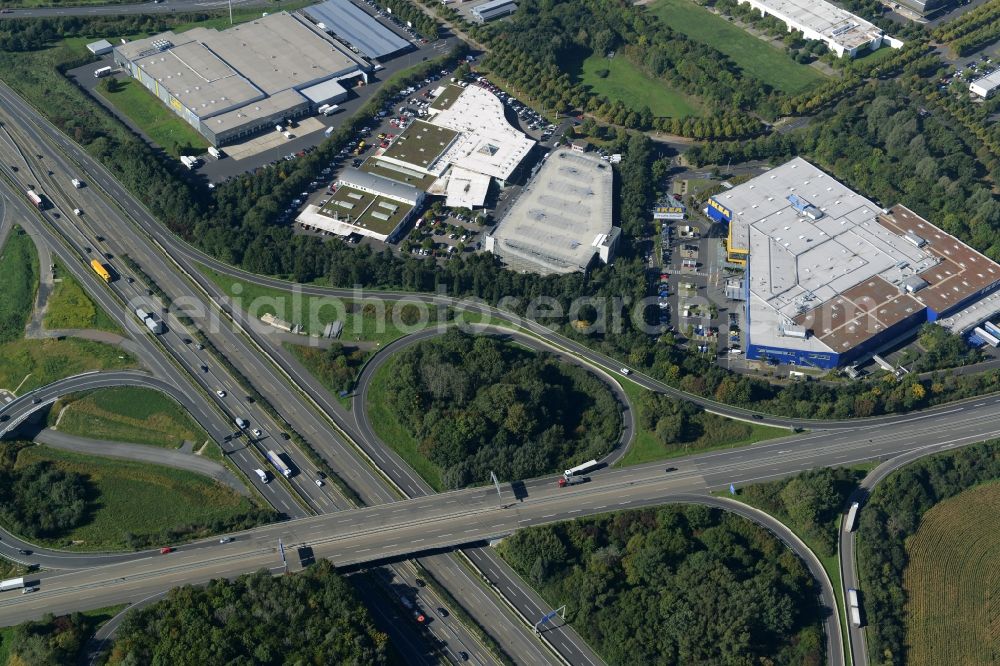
x,y
146,318
11,584
580,469
852,517
262,475
854,607
279,464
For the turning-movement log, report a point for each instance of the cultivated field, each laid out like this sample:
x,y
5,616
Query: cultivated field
x,y
755,56
953,582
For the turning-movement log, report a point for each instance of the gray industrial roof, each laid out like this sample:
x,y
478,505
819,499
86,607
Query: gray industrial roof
x,y
380,185
554,225
487,9
356,26
100,47
212,72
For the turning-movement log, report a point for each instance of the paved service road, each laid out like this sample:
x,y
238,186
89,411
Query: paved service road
x,y
144,453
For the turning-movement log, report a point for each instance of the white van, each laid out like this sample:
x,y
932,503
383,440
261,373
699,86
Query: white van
x,y
262,474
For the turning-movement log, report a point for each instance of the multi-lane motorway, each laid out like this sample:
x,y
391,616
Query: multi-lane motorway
x,y
115,223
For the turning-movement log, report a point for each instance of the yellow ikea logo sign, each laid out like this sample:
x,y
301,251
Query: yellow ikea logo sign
x,y
722,209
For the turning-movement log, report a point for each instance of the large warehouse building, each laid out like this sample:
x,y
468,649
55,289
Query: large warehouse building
x,y
562,219
830,276
356,27
233,83
986,86
843,32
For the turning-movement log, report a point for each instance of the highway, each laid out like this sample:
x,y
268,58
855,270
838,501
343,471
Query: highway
x,y
848,558
349,537
165,7
106,221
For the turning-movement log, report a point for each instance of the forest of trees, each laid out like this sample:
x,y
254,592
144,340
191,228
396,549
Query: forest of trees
x,y
477,404
310,617
891,515
675,585
41,500
51,641
533,50
809,503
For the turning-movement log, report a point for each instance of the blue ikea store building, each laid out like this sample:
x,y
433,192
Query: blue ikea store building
x,y
829,276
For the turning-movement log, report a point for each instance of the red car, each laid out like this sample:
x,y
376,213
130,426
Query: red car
x,y
165,550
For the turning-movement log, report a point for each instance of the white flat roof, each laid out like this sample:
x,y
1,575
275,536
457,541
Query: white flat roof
x,y
799,264
552,226
488,144
836,24
988,82
466,189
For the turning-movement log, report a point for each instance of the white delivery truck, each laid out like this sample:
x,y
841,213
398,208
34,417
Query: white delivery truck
x,y
262,475
330,110
11,584
215,152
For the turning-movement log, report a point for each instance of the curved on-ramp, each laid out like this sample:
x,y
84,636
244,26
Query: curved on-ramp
x,y
359,403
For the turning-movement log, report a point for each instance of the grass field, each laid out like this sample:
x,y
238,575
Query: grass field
x,y
952,581
18,283
755,56
387,426
313,312
138,498
719,433
628,83
130,414
148,113
69,306
28,364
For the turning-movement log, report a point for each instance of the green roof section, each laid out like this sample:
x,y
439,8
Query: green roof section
x,y
420,144
447,98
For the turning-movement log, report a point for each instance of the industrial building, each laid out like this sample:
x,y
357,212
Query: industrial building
x,y
356,27
987,85
925,7
494,9
831,276
233,83
100,47
562,220
843,32
365,204
466,143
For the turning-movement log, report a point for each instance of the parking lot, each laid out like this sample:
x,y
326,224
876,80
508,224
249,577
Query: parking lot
x,y
445,233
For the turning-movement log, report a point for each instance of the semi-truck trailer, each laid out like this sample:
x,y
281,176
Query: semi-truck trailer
x,y
580,469
11,584
856,616
141,314
279,464
854,606
155,326
100,270
852,517
36,199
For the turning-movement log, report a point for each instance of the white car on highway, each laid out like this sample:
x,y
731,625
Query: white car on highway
x,y
220,393
256,432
